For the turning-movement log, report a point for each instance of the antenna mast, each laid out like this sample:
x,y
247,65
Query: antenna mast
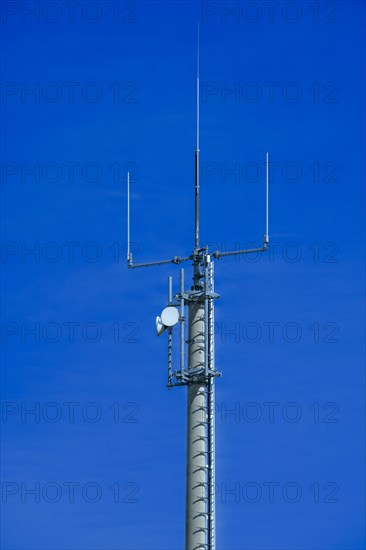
x,y
197,152
197,368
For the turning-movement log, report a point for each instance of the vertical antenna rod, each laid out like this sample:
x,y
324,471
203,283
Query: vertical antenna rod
x,y
128,219
266,237
197,152
182,324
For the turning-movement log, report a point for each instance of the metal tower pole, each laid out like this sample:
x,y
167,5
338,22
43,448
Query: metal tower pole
x,y
211,410
196,481
200,480
200,372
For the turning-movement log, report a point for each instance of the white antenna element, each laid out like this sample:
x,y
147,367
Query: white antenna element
x,y
197,152
129,257
266,237
198,89
168,318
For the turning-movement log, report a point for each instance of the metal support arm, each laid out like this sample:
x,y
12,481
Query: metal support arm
x,y
219,254
176,260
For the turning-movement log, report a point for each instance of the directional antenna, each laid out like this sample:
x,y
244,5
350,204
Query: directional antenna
x,y
168,318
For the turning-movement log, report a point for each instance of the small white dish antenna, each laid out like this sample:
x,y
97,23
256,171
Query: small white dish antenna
x,y
168,318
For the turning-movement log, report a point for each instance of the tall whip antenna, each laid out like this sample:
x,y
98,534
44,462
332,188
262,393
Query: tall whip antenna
x,y
266,236
129,258
197,152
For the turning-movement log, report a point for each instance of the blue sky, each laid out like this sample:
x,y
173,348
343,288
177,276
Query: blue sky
x,y
115,90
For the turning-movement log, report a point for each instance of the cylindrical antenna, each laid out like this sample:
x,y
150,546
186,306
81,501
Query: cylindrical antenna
x,y
170,289
181,318
129,258
197,152
266,238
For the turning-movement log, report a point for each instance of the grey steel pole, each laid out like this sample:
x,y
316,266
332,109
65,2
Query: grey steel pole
x,y
199,375
196,483
211,465
210,350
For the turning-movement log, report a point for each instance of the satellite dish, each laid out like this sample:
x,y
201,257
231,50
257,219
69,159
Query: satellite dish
x,y
169,317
